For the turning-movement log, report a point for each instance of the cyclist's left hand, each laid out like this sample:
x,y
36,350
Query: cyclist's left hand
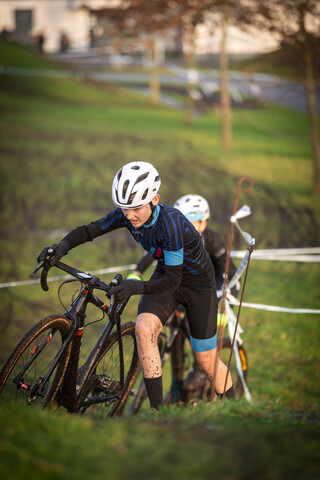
x,y
134,276
127,288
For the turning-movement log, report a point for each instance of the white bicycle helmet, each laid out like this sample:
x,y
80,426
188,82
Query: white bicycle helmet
x,y
135,185
194,207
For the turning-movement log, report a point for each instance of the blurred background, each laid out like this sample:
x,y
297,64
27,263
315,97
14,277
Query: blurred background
x,y
208,92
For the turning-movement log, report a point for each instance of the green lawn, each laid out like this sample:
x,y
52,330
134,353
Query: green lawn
x,y
61,142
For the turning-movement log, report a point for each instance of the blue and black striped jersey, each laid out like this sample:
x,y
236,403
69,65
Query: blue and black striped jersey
x,y
170,238
217,252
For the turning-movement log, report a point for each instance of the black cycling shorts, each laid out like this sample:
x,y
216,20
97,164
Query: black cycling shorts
x,y
201,309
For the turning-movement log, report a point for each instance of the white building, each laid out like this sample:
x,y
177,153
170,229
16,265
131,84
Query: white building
x,y
78,20
28,18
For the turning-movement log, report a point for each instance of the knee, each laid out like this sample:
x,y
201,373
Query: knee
x,y
141,330
207,357
147,328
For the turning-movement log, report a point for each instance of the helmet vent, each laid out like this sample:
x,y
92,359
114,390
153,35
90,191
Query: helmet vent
x,y
142,177
135,167
125,187
131,198
145,194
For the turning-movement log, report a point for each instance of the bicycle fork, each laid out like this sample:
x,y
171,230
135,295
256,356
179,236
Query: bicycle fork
x,y
74,378
70,385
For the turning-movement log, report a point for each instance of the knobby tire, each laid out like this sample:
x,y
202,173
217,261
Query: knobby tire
x,y
102,395
50,332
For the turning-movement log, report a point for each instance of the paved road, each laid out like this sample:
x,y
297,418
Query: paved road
x,y
269,87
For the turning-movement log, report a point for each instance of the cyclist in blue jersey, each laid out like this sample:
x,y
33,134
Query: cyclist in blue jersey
x,y
197,211
184,273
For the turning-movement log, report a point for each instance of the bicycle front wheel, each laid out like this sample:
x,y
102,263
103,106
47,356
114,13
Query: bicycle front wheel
x,y
22,378
102,394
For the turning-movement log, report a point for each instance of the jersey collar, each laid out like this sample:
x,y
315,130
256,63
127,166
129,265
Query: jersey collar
x,y
155,217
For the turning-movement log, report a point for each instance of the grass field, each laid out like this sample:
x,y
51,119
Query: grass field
x,y
61,142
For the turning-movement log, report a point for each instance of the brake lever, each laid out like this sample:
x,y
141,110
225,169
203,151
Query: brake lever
x,y
40,264
113,305
117,279
43,280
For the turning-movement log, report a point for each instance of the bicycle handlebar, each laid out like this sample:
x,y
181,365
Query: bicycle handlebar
x,y
86,278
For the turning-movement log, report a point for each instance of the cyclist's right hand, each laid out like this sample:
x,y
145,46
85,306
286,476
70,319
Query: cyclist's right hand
x,y
135,275
52,255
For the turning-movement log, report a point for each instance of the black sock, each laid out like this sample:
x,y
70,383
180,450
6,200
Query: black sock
x,y
154,391
230,393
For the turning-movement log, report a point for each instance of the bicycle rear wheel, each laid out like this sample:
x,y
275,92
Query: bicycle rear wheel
x,y
102,395
21,378
203,392
225,354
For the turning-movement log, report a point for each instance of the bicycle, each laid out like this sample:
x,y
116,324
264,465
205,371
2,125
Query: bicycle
x,y
43,370
188,385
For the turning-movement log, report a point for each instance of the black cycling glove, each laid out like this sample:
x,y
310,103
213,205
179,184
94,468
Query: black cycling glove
x,y
59,250
127,288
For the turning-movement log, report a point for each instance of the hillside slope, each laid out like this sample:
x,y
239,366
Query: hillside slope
x,y
62,141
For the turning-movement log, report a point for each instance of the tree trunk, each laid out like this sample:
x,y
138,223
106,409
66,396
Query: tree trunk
x,y
314,134
154,73
226,134
192,78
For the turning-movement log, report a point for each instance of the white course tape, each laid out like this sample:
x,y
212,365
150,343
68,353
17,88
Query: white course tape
x,y
66,277
283,254
273,308
291,254
290,251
